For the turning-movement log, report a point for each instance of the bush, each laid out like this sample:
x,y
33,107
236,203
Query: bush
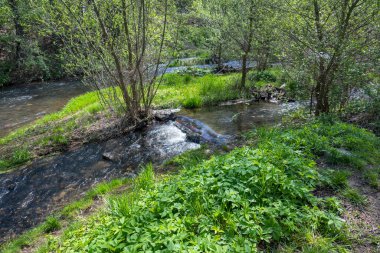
x,y
263,76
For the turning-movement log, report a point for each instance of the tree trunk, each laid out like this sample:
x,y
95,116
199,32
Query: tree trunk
x,y
219,56
311,100
246,50
263,56
244,70
322,96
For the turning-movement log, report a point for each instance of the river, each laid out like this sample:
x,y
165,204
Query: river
x,y
22,104
29,195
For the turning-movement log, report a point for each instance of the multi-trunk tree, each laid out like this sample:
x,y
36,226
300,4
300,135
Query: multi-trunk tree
x,y
324,36
118,46
243,24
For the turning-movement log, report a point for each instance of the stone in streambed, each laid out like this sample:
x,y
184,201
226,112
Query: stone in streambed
x,y
166,114
108,156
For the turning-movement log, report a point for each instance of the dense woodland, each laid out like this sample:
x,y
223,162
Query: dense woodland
x,y
302,186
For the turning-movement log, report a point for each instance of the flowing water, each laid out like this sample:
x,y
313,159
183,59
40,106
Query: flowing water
x,y
23,104
29,195
235,119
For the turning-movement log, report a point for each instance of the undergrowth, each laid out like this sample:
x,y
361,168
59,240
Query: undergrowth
x,y
254,198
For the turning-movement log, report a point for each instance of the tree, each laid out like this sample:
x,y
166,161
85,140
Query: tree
x,y
324,35
118,45
239,21
16,17
26,53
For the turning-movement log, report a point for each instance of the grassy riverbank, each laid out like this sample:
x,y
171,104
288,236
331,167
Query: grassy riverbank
x,y
84,119
286,189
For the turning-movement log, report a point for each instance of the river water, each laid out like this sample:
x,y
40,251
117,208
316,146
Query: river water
x,y
29,195
22,104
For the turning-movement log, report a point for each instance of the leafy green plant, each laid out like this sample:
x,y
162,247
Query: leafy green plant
x,y
231,202
51,224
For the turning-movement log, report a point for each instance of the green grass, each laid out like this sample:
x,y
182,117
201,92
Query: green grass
x,y
190,158
354,196
255,197
73,106
18,157
194,92
372,176
335,179
51,224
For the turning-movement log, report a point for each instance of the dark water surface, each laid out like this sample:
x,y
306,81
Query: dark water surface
x,y
22,104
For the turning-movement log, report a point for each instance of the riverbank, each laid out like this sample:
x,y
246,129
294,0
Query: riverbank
x,y
84,120
306,187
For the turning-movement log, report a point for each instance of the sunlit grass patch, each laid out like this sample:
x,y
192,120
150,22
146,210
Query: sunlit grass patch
x,y
372,176
354,196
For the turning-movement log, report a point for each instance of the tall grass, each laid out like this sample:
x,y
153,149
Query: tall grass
x,y
178,91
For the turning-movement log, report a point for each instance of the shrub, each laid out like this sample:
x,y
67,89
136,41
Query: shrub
x,y
263,76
